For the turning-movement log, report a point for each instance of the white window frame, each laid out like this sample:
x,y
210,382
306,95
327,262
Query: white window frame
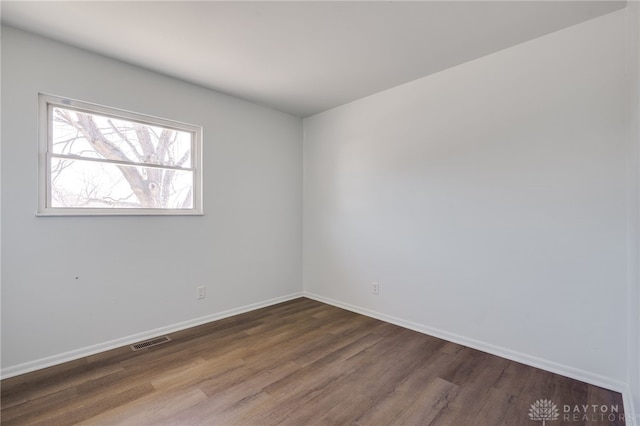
x,y
46,105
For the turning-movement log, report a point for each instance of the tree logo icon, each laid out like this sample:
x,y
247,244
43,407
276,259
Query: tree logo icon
x,y
543,409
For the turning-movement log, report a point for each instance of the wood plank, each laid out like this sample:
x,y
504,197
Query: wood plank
x,y
298,362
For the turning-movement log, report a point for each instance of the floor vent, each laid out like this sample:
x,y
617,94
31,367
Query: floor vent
x,y
151,342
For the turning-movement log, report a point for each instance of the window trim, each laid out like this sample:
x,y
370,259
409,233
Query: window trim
x,y
45,139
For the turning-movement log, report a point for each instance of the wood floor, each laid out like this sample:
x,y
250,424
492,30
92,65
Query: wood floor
x,y
299,363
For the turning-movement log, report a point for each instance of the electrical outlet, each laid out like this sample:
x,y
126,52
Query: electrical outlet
x,y
375,287
202,292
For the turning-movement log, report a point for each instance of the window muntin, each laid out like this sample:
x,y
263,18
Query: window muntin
x,y
99,160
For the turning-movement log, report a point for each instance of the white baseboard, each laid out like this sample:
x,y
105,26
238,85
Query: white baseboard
x,y
134,338
564,370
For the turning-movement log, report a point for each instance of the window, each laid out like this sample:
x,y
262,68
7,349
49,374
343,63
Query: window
x,y
96,160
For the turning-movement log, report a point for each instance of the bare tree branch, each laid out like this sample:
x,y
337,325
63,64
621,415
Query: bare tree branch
x,y
153,187
86,125
124,137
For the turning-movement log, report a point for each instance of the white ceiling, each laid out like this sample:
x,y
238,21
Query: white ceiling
x,y
299,57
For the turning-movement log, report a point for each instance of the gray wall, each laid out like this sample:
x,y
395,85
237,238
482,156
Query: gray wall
x,y
489,202
633,299
138,274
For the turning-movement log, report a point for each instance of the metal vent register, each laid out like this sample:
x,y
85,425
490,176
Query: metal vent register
x,y
151,342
